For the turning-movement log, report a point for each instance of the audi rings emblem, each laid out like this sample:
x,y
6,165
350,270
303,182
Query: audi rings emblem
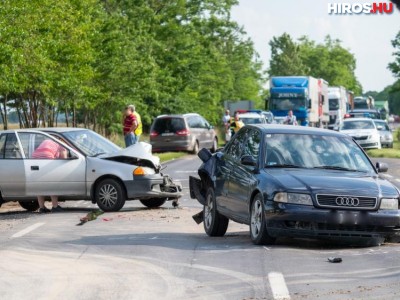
x,y
347,201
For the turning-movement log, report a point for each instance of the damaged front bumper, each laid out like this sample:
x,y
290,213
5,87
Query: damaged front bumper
x,y
153,186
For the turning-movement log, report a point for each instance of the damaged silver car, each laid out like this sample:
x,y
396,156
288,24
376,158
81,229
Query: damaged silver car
x,y
93,168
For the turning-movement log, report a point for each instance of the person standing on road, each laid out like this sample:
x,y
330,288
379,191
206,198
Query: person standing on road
x,y
290,119
130,125
49,149
139,129
226,120
236,124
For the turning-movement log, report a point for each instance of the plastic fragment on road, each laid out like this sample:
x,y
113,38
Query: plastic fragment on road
x,y
90,217
335,259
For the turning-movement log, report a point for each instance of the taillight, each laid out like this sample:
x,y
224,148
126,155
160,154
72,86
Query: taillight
x,y
153,133
346,116
183,132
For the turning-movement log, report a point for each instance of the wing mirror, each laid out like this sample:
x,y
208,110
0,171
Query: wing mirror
x,y
248,160
382,167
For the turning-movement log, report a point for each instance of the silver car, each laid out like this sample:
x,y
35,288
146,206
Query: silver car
x,y
95,169
363,130
385,133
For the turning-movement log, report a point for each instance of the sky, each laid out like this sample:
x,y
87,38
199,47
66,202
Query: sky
x,y
368,37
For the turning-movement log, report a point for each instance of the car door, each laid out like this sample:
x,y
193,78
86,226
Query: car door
x,y
243,178
208,133
52,176
12,171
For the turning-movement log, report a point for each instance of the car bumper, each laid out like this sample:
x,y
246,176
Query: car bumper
x,y
369,144
306,221
153,186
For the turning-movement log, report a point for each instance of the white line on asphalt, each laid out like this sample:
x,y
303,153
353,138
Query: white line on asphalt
x,y
397,179
387,175
27,230
278,286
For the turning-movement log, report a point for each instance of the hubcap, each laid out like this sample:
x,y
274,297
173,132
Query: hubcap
x,y
108,195
208,211
256,218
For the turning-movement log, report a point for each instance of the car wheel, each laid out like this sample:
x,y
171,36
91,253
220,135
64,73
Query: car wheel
x,y
110,195
215,224
195,147
215,145
29,205
154,202
258,229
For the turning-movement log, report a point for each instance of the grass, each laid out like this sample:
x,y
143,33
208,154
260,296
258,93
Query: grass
x,y
170,155
388,152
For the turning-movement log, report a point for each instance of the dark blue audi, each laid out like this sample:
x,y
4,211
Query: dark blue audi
x,y
296,182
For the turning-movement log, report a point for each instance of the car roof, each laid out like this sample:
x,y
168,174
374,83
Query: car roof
x,y
250,115
379,120
363,110
47,129
177,115
289,129
357,119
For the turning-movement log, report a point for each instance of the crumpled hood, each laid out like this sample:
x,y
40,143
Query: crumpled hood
x,y
139,150
333,182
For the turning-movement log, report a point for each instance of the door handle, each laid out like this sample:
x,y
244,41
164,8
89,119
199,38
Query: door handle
x,y
35,168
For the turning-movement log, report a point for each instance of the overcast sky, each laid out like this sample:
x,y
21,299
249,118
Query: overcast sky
x,y
367,36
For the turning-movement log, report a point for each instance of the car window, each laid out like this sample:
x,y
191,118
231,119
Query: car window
x,y
235,149
204,123
2,145
252,146
192,122
11,147
169,125
359,124
40,146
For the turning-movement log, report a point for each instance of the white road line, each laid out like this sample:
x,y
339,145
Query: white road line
x,y
387,175
27,230
278,286
398,180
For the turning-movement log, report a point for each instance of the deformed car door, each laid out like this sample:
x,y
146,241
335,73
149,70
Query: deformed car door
x,y
242,179
52,176
12,172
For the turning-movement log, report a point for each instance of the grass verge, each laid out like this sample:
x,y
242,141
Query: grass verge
x,y
170,155
387,152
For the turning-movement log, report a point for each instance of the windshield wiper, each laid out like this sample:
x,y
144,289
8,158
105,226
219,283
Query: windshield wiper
x,y
337,168
97,154
283,166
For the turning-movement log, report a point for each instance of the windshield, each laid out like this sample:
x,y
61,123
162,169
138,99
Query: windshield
x,y
315,151
288,103
359,124
384,125
333,104
249,121
90,143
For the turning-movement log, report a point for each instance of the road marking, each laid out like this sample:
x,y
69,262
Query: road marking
x,y
387,175
278,286
27,230
186,171
397,179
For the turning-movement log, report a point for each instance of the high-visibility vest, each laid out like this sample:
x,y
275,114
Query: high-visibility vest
x,y
139,129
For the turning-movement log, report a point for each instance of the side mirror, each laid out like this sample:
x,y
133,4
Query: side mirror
x,y
210,127
248,160
72,155
379,128
336,128
382,167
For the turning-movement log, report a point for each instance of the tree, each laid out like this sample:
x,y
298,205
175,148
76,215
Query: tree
x,y
286,58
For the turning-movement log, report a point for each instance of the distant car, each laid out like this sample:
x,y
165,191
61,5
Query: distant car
x,y
187,132
385,132
95,169
364,113
364,131
252,118
269,116
297,182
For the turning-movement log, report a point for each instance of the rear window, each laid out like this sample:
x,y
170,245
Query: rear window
x,y
167,125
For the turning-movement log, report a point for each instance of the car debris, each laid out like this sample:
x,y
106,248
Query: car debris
x,y
91,216
335,259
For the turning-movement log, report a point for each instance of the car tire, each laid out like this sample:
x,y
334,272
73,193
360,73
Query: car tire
x,y
29,205
215,145
110,195
258,228
154,202
215,224
195,147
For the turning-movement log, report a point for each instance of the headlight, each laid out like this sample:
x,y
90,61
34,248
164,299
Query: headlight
x,y
141,171
388,137
303,199
392,204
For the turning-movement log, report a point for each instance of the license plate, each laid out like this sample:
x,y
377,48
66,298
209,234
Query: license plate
x,y
167,134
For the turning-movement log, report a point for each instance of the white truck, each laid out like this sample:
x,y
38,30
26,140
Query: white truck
x,y
338,105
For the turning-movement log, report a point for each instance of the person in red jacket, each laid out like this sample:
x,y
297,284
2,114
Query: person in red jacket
x,y
130,125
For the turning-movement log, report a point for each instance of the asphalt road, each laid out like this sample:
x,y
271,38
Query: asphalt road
x,y
163,254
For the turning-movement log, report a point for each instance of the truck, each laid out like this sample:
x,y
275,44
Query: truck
x,y
306,96
338,105
238,106
361,102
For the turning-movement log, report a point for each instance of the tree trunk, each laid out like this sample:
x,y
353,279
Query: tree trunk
x,y
66,117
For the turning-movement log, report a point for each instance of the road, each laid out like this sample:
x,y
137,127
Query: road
x,y
139,253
